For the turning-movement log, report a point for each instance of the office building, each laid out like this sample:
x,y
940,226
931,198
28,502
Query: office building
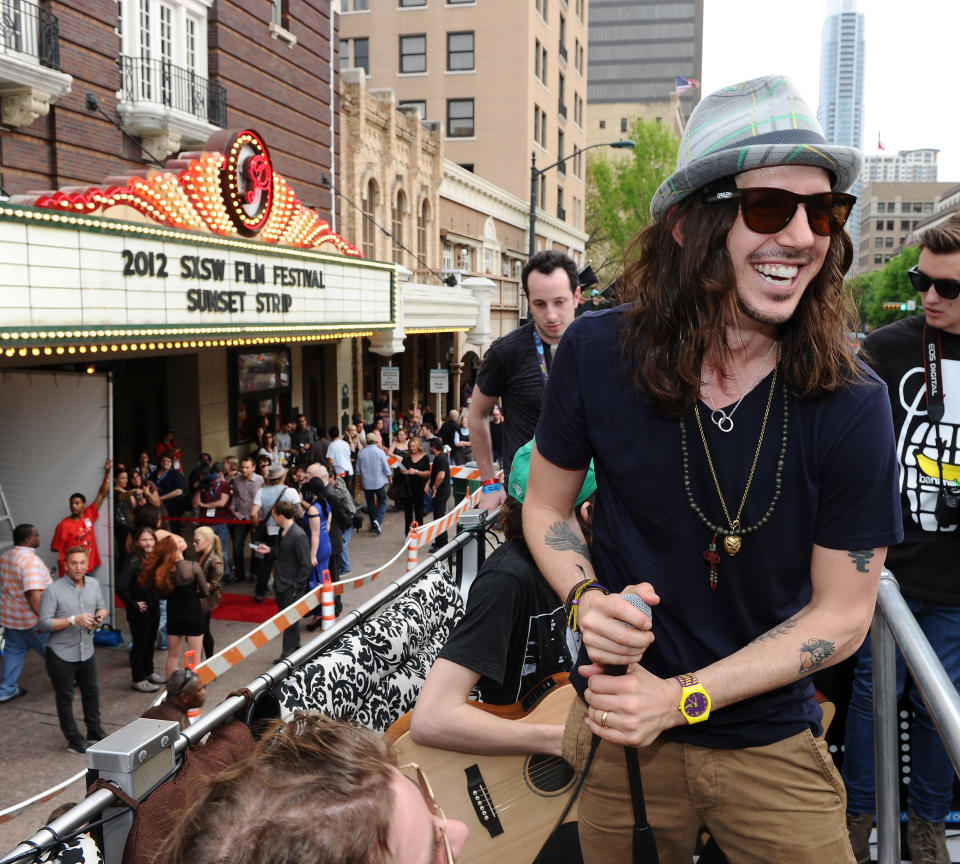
x,y
906,166
840,111
505,79
637,51
889,214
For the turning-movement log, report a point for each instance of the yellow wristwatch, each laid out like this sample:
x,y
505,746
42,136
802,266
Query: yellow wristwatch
x,y
694,700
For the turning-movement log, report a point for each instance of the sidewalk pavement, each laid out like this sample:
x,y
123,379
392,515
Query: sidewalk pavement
x,y
33,752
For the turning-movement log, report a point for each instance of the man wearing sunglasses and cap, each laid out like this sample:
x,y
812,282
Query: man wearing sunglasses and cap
x,y
748,494
919,359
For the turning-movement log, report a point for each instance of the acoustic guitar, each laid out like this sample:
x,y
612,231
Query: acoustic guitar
x,y
510,803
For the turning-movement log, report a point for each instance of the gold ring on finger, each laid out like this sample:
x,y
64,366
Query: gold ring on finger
x,y
603,719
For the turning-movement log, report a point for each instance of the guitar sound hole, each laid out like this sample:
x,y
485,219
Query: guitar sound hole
x,y
548,774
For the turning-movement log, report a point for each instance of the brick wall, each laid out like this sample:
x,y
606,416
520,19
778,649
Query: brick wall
x,y
70,145
281,92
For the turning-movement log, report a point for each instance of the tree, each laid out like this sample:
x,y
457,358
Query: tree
x,y
619,192
889,285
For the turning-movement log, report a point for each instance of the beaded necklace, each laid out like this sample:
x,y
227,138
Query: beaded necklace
x,y
733,537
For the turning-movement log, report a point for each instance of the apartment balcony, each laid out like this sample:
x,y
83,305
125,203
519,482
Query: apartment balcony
x,y
30,76
168,107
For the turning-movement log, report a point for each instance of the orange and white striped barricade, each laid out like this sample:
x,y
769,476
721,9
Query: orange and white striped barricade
x,y
328,607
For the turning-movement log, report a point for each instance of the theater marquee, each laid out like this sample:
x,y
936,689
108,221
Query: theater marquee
x,y
214,245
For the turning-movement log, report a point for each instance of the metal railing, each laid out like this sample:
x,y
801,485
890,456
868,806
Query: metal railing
x,y
160,82
894,626
28,29
463,553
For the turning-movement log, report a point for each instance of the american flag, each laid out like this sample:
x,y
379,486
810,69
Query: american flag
x,y
685,84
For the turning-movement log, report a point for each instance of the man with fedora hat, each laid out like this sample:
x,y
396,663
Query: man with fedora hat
x,y
267,535
753,516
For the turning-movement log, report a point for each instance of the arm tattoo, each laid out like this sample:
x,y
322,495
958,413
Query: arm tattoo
x,y
560,536
782,629
813,652
861,557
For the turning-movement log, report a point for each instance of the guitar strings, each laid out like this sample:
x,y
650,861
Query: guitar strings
x,y
515,787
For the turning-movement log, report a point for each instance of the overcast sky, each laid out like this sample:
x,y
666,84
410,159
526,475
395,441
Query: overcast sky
x,y
912,57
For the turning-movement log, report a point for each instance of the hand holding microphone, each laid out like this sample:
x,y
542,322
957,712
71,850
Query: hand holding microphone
x,y
640,605
614,634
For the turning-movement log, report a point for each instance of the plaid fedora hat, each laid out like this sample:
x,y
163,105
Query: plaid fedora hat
x,y
752,125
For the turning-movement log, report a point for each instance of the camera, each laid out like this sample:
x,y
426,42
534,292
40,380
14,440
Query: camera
x,y
948,506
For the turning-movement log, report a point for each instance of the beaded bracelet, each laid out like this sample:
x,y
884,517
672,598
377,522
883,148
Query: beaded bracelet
x,y
573,601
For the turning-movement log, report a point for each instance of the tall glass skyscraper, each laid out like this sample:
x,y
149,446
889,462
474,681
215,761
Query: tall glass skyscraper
x,y
841,84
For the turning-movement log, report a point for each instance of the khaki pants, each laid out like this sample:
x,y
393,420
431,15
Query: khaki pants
x,y
782,802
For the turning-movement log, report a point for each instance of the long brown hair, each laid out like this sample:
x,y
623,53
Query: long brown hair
x,y
157,571
683,296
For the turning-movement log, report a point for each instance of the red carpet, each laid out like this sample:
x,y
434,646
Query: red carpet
x,y
241,607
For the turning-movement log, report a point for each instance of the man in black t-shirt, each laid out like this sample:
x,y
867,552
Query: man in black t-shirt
x,y
448,429
919,359
439,486
515,367
746,490
511,638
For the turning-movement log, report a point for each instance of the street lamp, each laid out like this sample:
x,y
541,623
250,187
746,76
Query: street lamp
x,y
535,176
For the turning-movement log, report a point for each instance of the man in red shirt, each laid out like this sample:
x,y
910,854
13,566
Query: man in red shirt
x,y
77,529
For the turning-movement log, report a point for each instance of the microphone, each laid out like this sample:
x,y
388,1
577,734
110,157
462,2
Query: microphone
x,y
640,604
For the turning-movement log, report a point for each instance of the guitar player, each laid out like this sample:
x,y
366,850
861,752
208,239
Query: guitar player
x,y
513,636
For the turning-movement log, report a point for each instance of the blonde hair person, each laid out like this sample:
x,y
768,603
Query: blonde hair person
x,y
209,554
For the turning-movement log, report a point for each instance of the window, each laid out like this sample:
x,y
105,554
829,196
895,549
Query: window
x,y
561,212
904,225
460,2
563,37
543,128
890,225
460,118
361,54
562,93
579,8
543,64
578,56
536,59
623,124
536,124
423,217
879,224
460,51
562,167
888,242
404,3
356,6
280,13
419,104
878,242
880,207
413,53
369,224
542,9
467,166
397,214
878,258
603,124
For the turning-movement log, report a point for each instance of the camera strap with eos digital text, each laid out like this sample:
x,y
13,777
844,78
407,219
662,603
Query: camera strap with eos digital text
x,y
948,498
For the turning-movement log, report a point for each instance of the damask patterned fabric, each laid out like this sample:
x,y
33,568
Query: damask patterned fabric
x,y
79,850
372,674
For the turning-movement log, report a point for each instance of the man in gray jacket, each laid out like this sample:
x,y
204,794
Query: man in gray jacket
x,y
291,568
70,610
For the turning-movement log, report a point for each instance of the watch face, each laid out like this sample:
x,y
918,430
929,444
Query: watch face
x,y
695,704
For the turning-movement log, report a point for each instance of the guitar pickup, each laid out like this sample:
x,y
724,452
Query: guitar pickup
x,y
482,803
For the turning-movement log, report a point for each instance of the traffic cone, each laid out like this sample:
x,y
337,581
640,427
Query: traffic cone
x,y
413,548
190,662
328,609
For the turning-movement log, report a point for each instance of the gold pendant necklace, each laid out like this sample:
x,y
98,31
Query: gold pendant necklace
x,y
733,536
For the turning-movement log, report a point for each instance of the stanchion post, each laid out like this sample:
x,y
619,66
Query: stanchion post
x,y
886,758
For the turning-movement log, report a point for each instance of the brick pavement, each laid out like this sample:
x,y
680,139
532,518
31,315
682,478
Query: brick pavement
x,y
33,755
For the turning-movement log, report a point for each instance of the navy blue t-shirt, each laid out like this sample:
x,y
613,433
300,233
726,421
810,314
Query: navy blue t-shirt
x,y
840,491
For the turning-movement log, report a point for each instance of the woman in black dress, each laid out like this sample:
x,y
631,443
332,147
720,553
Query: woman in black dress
x,y
143,612
182,584
416,470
